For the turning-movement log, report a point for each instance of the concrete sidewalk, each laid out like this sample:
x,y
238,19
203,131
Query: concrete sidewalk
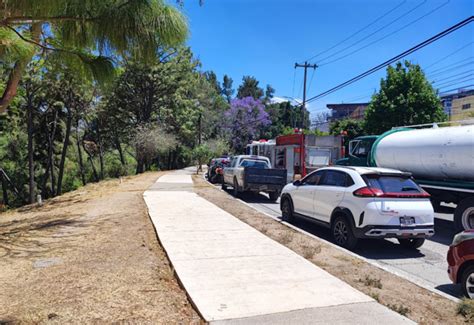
x,y
236,275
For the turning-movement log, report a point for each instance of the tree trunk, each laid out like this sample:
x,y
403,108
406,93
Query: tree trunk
x,y
12,84
15,75
94,170
169,159
79,153
119,148
101,152
140,164
4,189
64,152
31,163
50,165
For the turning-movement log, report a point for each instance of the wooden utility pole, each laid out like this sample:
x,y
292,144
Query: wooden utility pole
x,y
306,65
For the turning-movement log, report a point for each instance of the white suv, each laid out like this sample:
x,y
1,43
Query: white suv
x,y
362,202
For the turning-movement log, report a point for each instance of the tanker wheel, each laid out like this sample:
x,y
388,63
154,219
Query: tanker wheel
x,y
464,215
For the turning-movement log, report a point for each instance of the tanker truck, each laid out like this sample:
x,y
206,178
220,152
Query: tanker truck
x,y
441,159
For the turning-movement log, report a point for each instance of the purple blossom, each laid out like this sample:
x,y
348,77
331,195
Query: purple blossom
x,y
244,119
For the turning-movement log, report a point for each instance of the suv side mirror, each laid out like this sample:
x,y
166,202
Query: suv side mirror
x,y
297,183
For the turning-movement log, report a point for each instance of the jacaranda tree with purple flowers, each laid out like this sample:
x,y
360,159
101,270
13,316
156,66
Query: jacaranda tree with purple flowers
x,y
245,119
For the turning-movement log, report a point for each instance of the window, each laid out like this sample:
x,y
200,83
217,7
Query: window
x,y
361,149
349,180
466,106
233,162
392,184
280,158
313,178
318,157
254,163
334,178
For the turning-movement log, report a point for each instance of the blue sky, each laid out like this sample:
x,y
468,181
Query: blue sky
x,y
264,38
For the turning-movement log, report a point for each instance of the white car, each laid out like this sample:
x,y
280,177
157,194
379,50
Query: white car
x,y
362,202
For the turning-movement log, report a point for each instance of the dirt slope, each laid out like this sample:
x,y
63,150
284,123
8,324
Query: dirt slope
x,y
90,256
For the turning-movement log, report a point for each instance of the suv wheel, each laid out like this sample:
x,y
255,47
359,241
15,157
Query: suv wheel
x,y
273,196
343,234
286,210
467,281
411,243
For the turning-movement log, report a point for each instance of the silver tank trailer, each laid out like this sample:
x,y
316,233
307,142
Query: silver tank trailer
x,y
442,153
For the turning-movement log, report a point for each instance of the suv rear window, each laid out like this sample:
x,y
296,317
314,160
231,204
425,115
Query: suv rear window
x,y
254,163
392,184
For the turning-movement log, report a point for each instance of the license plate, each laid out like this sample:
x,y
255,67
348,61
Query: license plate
x,y
407,221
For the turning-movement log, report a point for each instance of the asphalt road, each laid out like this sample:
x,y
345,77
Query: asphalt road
x,y
426,266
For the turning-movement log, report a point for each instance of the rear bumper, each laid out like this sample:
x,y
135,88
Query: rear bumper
x,y
374,231
263,187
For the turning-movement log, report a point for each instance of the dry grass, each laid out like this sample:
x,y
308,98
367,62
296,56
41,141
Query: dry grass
x,y
465,308
402,310
90,256
371,282
285,238
421,305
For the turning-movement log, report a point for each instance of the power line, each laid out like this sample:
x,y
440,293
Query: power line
x,y
357,32
359,97
450,65
456,81
448,56
388,35
396,58
452,76
311,79
447,70
376,31
460,87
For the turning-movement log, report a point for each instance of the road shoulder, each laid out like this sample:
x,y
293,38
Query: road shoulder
x,y
417,303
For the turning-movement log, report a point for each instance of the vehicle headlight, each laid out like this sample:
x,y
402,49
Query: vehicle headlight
x,y
463,236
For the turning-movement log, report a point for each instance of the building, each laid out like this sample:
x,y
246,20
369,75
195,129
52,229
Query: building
x,y
354,111
462,108
447,99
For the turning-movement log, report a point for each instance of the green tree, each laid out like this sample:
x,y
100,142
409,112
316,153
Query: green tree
x,y
80,32
249,88
406,97
352,128
227,90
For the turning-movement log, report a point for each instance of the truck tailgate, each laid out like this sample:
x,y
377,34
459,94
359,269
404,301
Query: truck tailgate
x,y
265,176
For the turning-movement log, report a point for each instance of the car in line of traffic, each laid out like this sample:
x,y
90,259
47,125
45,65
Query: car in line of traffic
x,y
215,170
461,262
252,173
362,202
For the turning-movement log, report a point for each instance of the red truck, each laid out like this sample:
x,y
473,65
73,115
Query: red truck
x,y
299,153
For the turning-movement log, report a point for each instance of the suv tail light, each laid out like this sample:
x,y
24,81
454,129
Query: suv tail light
x,y
368,192
376,192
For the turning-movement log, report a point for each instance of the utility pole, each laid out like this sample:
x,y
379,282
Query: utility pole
x,y
306,65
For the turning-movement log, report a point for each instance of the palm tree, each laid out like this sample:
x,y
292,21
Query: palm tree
x,y
86,35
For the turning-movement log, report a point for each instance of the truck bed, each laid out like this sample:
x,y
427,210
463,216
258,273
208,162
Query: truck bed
x,y
264,179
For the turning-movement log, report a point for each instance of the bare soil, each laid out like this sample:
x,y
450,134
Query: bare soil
x,y
89,256
418,304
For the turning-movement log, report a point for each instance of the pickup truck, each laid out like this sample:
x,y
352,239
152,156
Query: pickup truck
x,y
254,174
